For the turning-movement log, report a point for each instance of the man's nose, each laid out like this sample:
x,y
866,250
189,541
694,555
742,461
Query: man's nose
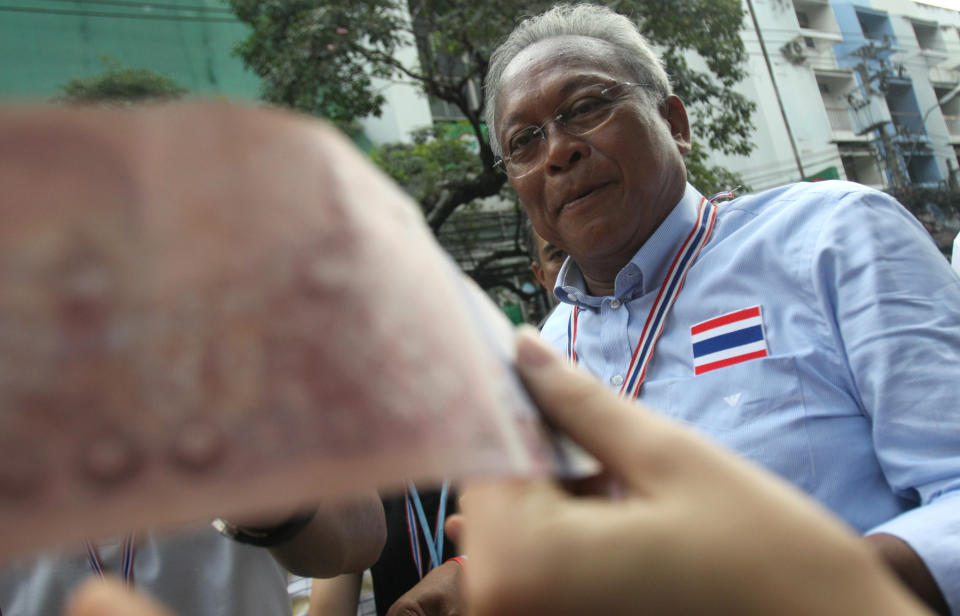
x,y
563,150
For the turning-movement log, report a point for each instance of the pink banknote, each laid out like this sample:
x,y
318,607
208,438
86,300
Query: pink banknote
x,y
212,310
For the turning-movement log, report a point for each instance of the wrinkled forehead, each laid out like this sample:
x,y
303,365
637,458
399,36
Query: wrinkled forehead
x,y
555,65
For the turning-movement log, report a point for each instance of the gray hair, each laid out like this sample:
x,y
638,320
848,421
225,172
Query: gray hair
x,y
590,20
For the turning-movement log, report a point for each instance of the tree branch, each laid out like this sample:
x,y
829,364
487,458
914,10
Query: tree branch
x,y
456,194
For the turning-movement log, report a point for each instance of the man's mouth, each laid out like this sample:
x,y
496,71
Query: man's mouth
x,y
580,195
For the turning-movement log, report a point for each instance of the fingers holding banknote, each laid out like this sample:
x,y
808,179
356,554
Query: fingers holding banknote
x,y
109,598
696,530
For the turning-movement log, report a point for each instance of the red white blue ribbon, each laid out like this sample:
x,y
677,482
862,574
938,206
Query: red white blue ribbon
x,y
669,291
433,538
128,553
572,334
725,194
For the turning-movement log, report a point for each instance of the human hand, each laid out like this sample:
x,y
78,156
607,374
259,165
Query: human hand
x,y
108,598
439,593
336,596
332,539
697,530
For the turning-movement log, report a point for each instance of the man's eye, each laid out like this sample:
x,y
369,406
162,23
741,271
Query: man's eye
x,y
522,140
585,107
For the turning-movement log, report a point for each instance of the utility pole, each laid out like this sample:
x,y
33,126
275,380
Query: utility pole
x,y
890,150
776,90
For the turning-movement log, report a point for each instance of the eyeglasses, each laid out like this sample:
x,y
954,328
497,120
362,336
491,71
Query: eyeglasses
x,y
583,113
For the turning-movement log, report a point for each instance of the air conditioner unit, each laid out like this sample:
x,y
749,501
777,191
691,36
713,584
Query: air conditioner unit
x,y
795,51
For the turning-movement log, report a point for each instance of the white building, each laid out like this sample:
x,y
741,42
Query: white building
x,y
829,77
851,89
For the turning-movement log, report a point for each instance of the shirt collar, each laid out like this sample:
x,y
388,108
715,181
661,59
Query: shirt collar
x,y
645,271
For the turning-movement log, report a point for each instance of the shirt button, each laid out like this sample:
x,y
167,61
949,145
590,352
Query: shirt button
x,y
616,379
614,303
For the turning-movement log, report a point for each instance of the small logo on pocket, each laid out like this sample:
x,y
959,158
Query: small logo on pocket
x,y
732,400
728,339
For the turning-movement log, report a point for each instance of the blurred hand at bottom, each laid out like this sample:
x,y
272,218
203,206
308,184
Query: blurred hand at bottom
x,y
109,598
439,593
697,530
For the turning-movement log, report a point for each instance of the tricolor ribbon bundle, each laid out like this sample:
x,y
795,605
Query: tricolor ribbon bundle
x,y
434,538
669,291
128,553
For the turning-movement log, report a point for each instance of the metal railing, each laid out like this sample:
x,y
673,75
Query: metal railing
x,y
911,121
839,118
953,123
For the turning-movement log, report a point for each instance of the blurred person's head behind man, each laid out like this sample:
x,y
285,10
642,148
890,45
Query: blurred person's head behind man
x,y
546,259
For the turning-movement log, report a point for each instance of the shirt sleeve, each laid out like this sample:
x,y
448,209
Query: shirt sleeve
x,y
895,305
955,258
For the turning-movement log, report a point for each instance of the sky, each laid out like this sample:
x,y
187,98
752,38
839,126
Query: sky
x,y
950,4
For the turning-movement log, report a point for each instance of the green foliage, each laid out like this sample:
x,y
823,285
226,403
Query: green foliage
x,y
321,57
938,209
433,159
720,115
120,85
327,58
917,198
707,179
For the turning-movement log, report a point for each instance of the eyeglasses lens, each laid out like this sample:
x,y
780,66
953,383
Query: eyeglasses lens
x,y
584,113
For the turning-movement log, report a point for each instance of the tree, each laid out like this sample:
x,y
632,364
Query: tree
x,y
937,209
120,85
322,57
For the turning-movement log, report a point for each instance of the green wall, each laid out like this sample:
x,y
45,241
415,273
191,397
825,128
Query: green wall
x,y
45,43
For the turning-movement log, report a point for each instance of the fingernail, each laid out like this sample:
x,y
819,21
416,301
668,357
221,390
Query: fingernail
x,y
532,352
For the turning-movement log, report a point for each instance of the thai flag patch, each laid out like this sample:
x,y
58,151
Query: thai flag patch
x,y
728,339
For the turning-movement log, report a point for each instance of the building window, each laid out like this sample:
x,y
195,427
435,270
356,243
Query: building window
x,y
860,163
922,169
876,26
928,36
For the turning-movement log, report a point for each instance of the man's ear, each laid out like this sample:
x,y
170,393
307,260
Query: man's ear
x,y
539,275
676,116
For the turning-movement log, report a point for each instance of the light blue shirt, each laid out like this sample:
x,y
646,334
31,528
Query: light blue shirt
x,y
858,402
955,257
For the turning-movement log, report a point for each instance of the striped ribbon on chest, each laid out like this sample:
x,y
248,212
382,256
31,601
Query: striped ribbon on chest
x,y
667,295
128,553
433,538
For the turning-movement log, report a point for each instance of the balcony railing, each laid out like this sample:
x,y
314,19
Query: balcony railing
x,y
839,119
953,124
910,121
823,60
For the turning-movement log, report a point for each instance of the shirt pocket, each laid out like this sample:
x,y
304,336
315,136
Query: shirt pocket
x,y
755,407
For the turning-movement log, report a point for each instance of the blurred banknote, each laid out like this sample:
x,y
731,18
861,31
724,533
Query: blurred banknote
x,y
207,309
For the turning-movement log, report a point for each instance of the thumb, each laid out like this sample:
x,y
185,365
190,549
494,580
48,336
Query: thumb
x,y
454,528
109,598
627,438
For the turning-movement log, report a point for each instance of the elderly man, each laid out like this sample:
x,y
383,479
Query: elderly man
x,y
814,328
